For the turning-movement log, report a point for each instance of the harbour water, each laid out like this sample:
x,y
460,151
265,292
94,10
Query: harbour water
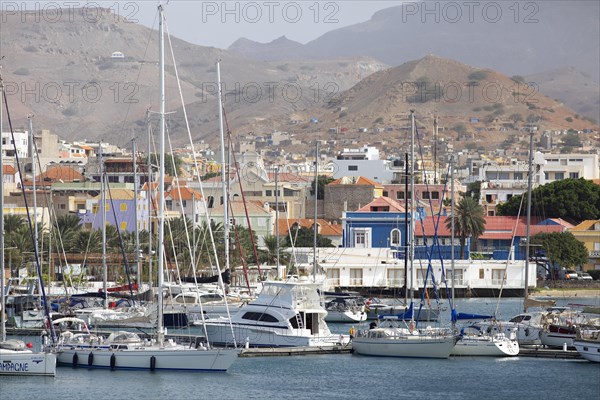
x,y
343,376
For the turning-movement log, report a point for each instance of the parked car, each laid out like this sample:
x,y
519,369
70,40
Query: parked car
x,y
571,275
584,276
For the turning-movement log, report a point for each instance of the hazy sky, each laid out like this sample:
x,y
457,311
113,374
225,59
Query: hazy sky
x,y
220,23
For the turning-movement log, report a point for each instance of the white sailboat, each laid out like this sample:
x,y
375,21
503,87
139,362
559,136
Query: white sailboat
x,y
587,343
16,358
126,350
394,337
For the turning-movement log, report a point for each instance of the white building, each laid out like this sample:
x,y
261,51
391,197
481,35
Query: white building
x,y
364,162
377,268
21,143
575,166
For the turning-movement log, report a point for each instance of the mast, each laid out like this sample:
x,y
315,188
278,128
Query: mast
x,y
161,175
452,263
527,232
315,213
136,215
2,277
224,177
149,198
435,140
103,205
406,233
412,204
277,221
33,158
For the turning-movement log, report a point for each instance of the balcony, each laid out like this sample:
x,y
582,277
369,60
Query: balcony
x,y
594,253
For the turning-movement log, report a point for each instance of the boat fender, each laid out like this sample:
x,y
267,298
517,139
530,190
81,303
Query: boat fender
x,y
113,360
411,327
90,359
75,359
152,363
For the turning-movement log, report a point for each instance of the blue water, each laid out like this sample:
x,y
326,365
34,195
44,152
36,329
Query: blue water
x,y
334,377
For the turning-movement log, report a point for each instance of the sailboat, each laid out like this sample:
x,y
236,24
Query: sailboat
x,y
127,350
394,335
16,357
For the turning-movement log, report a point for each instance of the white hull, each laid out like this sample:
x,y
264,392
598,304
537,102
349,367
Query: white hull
x,y
588,349
25,362
221,334
555,339
150,359
345,316
486,346
416,346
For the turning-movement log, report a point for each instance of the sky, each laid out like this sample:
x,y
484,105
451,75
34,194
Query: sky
x,y
220,23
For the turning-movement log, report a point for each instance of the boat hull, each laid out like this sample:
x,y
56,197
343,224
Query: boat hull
x,y
409,347
486,346
27,363
345,316
588,349
159,359
558,336
221,334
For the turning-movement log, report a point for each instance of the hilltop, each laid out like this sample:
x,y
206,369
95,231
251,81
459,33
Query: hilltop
x,y
94,76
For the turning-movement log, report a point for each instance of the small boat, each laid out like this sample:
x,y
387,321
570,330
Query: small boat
x,y
399,338
17,358
345,309
285,314
587,344
476,342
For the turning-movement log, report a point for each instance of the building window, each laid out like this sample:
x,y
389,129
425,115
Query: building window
x,y
497,276
268,193
123,226
399,195
574,175
169,204
481,273
458,276
333,277
435,195
123,206
211,202
352,167
361,237
395,237
518,176
559,175
184,203
95,209
395,277
356,277
425,195
288,192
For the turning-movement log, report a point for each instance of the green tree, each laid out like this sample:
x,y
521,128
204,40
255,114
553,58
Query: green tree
x,y
304,237
469,221
474,190
516,117
572,140
172,163
322,181
574,200
562,249
460,128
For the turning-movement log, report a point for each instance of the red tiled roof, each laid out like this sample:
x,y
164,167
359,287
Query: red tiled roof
x,y
352,180
393,206
184,193
325,228
287,177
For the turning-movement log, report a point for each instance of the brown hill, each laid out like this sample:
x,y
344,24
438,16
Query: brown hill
x,y
61,68
487,104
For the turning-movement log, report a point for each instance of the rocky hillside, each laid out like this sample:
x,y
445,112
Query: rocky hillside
x,y
62,68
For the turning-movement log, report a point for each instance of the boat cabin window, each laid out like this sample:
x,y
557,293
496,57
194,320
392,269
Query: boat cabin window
x,y
256,316
520,318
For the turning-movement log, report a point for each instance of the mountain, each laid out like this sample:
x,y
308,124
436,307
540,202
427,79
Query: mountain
x,y
472,104
511,37
576,89
279,49
93,76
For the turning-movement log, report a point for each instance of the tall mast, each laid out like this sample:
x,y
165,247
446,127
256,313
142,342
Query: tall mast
x,y
277,221
33,159
224,177
412,204
136,215
452,263
315,213
161,174
2,277
406,232
527,232
149,198
103,205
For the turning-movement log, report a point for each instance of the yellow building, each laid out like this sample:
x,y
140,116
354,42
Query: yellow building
x,y
588,232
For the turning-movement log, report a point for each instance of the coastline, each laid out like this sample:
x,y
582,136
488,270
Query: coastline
x,y
566,292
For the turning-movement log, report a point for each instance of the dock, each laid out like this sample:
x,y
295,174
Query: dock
x,y
541,352
295,351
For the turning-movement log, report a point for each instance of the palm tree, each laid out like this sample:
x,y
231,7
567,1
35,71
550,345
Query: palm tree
x,y
469,221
